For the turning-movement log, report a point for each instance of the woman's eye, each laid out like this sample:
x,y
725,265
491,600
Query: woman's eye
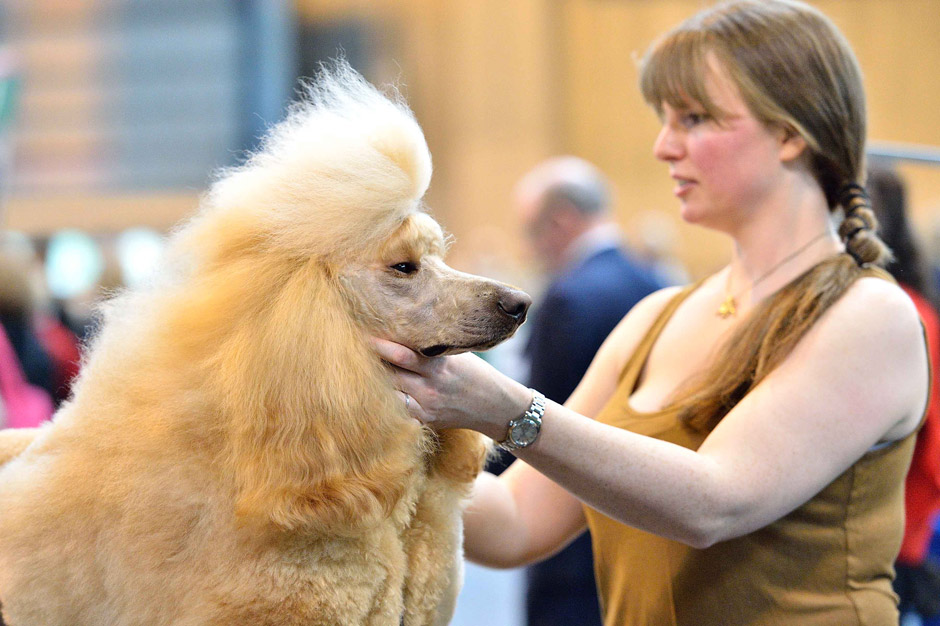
x,y
406,267
693,119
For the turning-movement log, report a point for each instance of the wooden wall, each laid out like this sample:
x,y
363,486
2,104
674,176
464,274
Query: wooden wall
x,y
500,84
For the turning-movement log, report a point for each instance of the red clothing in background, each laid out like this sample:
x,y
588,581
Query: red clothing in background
x,y
63,348
24,405
922,495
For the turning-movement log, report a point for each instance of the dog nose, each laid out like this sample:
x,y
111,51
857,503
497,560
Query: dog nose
x,y
514,303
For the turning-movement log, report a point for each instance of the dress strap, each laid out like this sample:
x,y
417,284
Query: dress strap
x,y
631,371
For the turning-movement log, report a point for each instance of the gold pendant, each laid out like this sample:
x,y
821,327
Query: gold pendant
x,y
728,308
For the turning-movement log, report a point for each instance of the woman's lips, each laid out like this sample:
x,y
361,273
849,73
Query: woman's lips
x,y
683,187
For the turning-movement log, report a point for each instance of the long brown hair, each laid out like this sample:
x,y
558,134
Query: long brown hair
x,y
796,71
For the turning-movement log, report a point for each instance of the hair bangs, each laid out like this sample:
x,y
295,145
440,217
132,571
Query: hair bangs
x,y
673,72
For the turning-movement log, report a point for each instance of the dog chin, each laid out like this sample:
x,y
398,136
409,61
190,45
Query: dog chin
x,y
444,350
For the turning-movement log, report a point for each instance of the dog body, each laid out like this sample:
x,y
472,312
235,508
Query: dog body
x,y
235,452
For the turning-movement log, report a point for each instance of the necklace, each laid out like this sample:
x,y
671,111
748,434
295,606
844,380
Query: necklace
x,y
729,306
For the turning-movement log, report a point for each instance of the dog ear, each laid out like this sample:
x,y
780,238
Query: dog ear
x,y
317,438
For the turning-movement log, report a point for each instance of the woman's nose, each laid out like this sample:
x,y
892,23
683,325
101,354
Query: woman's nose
x,y
667,146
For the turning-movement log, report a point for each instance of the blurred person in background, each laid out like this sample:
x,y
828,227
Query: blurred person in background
x,y
655,238
918,576
564,207
47,349
21,404
19,295
738,447
26,395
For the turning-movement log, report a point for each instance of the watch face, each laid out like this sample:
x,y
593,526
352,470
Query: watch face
x,y
524,432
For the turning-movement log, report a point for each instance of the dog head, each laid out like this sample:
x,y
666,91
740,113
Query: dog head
x,y
338,186
407,293
317,242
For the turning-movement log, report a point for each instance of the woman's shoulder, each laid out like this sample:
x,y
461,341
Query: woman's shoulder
x,y
871,341
874,323
657,300
601,378
635,324
645,312
877,300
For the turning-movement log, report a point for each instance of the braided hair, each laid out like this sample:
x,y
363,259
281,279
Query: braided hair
x,y
859,227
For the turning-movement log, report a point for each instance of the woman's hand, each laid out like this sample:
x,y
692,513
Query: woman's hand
x,y
459,391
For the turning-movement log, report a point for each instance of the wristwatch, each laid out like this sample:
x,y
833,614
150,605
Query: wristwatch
x,y
523,431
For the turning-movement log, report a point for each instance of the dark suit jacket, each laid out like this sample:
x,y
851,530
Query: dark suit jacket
x,y
579,310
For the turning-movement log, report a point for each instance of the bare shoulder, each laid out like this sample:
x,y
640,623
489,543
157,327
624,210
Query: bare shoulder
x,y
645,312
631,329
656,301
873,334
875,320
601,378
881,307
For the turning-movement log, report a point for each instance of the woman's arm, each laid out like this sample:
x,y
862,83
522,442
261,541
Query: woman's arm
x,y
857,378
519,518
522,516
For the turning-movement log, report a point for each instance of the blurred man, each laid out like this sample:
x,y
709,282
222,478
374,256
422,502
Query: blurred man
x,y
21,404
564,205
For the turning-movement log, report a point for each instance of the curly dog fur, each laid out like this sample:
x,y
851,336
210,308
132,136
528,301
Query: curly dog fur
x,y
234,452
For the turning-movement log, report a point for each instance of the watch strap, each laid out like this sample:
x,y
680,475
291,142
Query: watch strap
x,y
532,417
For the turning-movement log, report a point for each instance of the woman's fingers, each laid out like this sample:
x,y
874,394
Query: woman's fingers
x,y
407,380
398,355
411,404
441,392
413,407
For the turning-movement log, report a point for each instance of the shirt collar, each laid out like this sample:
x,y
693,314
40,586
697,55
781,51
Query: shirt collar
x,y
595,239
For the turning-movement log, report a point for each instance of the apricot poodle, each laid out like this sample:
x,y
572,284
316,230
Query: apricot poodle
x,y
235,452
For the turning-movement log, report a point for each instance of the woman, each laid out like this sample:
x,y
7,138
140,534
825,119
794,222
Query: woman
x,y
750,433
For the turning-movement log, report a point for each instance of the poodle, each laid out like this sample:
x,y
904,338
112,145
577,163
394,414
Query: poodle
x,y
235,451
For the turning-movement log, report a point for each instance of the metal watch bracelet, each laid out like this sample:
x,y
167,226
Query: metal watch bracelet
x,y
524,430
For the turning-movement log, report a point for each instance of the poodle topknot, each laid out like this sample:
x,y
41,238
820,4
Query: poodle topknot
x,y
344,168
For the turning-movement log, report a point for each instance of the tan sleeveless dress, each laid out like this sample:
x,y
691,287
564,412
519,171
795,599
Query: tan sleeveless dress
x,y
829,562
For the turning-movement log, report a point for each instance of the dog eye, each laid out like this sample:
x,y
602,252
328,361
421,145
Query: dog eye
x,y
405,268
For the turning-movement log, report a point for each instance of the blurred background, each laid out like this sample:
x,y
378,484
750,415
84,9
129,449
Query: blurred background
x,y
126,107
119,111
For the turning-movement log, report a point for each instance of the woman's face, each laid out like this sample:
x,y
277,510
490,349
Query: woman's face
x,y
724,169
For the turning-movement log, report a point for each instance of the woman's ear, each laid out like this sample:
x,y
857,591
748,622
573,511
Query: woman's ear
x,y
792,144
